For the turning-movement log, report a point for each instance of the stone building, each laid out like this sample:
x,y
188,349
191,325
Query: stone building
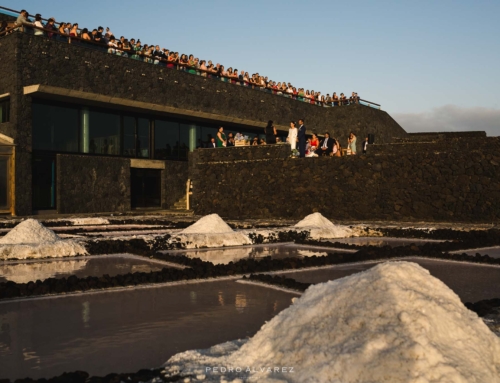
x,y
84,131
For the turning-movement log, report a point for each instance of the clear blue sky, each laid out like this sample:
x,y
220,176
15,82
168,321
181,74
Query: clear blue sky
x,y
418,59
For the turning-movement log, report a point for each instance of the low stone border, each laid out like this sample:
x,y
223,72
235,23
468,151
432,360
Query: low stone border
x,y
276,280
144,375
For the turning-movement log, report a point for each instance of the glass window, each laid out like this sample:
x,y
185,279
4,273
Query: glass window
x,y
129,145
184,141
142,138
166,140
5,110
207,135
55,128
104,133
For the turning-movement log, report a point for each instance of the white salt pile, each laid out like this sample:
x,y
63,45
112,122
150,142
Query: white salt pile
x,y
30,239
27,232
209,224
211,231
393,323
88,221
322,228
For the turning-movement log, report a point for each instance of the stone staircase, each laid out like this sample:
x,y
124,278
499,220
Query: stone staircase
x,y
180,204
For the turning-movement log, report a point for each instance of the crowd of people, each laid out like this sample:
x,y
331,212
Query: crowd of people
x,y
153,54
299,142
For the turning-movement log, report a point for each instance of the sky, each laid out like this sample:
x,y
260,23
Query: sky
x,y
432,65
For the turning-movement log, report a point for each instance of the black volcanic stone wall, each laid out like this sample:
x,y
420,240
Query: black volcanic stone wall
x,y
449,145
246,153
8,18
175,178
455,186
91,184
20,113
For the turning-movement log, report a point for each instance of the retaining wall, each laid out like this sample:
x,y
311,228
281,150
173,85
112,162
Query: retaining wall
x,y
426,185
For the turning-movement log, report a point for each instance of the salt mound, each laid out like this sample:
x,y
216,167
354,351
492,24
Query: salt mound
x,y
392,323
30,239
29,231
320,227
209,224
315,220
211,231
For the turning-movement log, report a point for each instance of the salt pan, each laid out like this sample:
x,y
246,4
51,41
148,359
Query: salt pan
x,y
393,323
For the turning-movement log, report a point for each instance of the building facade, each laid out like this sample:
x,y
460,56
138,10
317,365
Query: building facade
x,y
84,131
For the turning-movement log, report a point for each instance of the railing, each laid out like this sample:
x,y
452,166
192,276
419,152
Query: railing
x,y
176,64
189,187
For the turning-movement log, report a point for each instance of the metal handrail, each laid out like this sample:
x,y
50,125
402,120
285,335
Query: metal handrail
x,y
188,67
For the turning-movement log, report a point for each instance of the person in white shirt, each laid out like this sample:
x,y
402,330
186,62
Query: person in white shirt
x,y
292,135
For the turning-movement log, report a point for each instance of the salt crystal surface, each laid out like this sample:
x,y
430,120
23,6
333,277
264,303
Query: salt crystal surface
x,y
392,323
30,239
209,224
320,227
29,231
211,231
88,221
315,220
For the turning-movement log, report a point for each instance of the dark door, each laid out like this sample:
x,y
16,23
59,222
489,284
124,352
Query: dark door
x,y
44,182
146,187
4,182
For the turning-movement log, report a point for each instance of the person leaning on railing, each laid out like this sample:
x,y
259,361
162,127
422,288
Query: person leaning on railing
x,y
68,32
22,21
39,26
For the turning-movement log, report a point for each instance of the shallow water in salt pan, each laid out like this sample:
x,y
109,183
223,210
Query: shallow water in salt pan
x,y
128,330
275,251
26,271
383,241
493,252
471,282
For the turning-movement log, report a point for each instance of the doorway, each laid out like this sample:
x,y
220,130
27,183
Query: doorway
x,y
44,182
145,188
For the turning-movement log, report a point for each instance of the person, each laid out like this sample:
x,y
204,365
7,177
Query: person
x,y
212,144
38,24
270,132
335,99
301,134
312,146
98,36
221,138
292,136
230,139
326,146
255,141
85,34
336,151
365,145
262,142
21,20
351,143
